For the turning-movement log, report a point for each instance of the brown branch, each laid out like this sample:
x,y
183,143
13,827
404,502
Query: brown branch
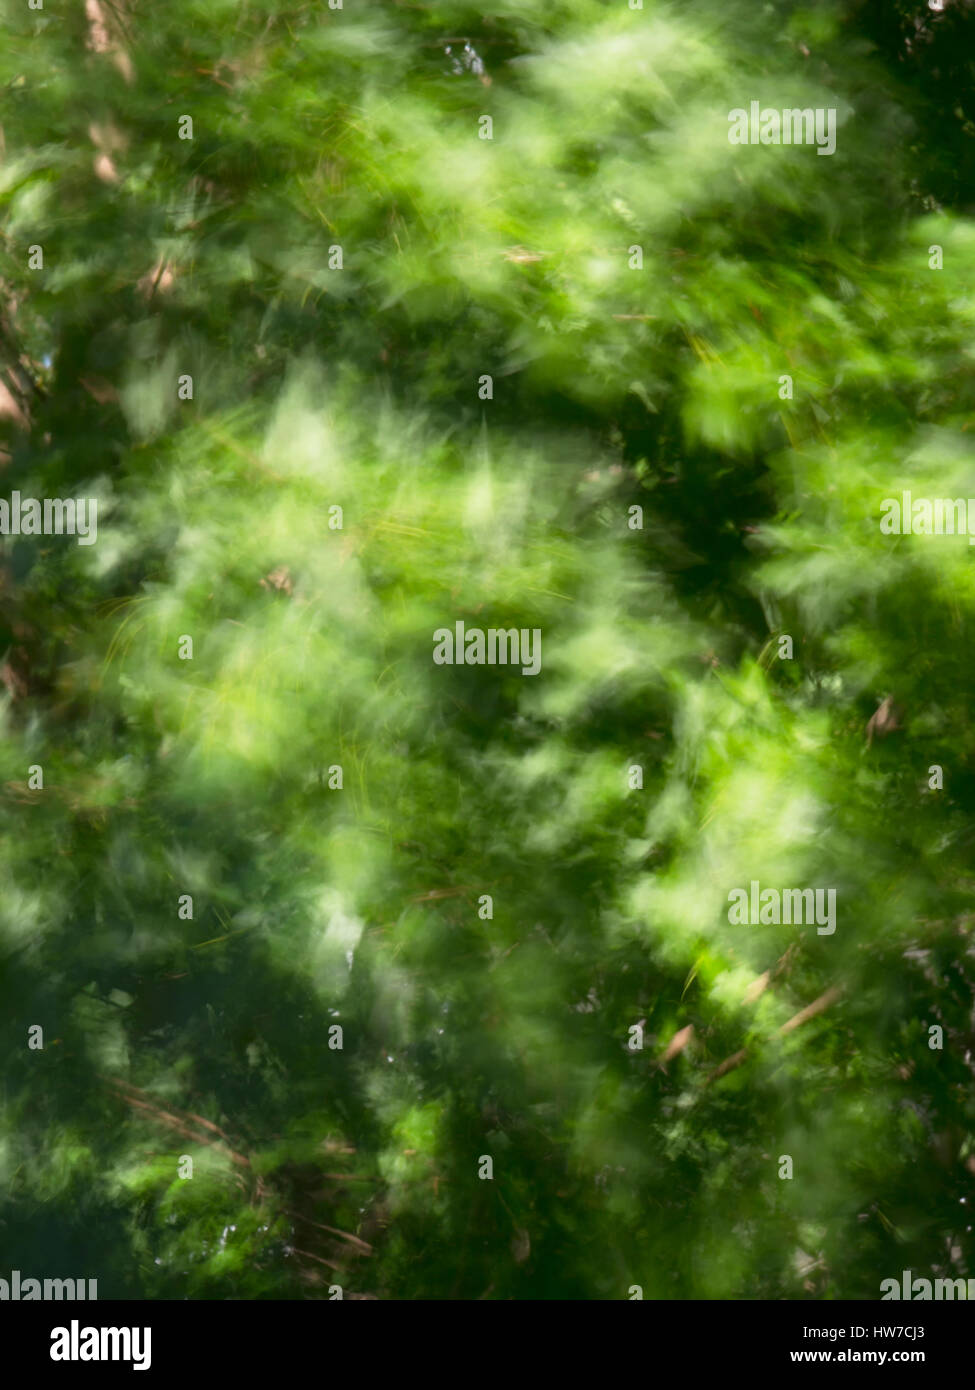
x,y
818,1006
436,893
729,1064
360,1244
811,1010
347,1177
677,1043
319,1258
140,1101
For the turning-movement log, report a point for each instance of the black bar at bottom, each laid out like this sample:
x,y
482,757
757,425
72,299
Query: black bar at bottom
x,y
63,1340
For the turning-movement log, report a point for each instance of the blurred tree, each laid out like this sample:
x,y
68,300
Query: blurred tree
x,y
291,832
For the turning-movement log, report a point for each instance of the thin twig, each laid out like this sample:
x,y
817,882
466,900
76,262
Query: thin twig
x,y
360,1244
818,1006
320,1258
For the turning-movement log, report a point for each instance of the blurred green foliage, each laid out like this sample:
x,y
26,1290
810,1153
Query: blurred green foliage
x,y
317,388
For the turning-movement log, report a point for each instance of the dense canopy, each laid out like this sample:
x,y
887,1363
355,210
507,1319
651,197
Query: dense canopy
x,y
343,364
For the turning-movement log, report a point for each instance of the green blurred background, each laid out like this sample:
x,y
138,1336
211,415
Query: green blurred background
x,y
317,387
